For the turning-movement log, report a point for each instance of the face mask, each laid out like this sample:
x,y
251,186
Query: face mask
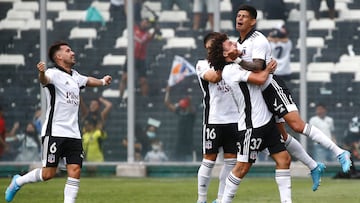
x,y
151,134
155,147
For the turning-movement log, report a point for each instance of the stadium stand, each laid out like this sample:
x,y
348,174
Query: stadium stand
x,y
333,77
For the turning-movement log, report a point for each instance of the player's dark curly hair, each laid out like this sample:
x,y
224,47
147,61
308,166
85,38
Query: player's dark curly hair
x,y
215,52
210,36
54,48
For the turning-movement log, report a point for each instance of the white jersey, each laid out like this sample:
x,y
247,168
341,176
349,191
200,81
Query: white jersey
x,y
219,106
248,97
63,99
281,53
256,46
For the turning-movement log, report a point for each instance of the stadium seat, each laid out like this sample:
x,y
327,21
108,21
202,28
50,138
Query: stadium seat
x,y
227,25
26,6
318,77
121,42
323,24
177,17
269,24
313,42
347,67
101,5
180,42
34,24
12,59
71,15
84,33
225,6
351,14
321,67
110,60
57,6
19,15
167,32
295,15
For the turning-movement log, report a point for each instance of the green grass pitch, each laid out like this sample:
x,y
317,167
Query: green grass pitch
x,y
183,190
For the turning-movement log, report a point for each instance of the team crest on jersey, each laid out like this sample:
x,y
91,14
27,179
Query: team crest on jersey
x,y
51,158
208,144
253,155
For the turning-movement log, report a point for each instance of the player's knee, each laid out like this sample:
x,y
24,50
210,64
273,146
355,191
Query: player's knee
x,y
298,126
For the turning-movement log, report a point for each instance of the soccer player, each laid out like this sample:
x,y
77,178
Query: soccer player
x,y
256,123
60,133
254,54
220,118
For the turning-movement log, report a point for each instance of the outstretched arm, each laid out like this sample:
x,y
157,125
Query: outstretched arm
x,y
95,82
167,101
107,108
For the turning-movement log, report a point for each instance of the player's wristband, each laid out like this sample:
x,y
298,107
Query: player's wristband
x,y
103,82
238,60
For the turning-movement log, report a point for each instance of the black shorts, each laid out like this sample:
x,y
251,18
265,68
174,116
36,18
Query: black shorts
x,y
254,140
220,135
278,98
140,67
55,148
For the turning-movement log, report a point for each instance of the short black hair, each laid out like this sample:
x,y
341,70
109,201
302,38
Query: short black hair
x,y
252,11
54,48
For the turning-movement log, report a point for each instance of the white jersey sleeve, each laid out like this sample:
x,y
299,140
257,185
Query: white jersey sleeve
x,y
202,67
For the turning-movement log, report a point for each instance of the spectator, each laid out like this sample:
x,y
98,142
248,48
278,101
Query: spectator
x,y
281,47
92,141
275,9
316,8
37,120
4,147
198,10
156,154
185,127
30,146
352,138
184,5
143,138
142,37
326,124
94,111
118,11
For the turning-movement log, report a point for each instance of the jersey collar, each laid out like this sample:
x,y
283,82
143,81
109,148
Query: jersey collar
x,y
247,36
62,69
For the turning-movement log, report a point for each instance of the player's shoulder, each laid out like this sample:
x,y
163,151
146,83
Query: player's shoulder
x,y
202,65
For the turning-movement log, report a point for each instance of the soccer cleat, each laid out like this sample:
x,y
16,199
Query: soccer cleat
x,y
200,202
316,174
12,189
216,201
344,159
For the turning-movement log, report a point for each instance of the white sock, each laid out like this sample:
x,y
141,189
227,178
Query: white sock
x,y
296,150
31,177
224,173
204,177
318,136
283,180
71,189
232,184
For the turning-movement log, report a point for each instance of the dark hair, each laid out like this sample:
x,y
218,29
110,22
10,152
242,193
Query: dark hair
x,y
54,48
210,36
215,52
252,11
